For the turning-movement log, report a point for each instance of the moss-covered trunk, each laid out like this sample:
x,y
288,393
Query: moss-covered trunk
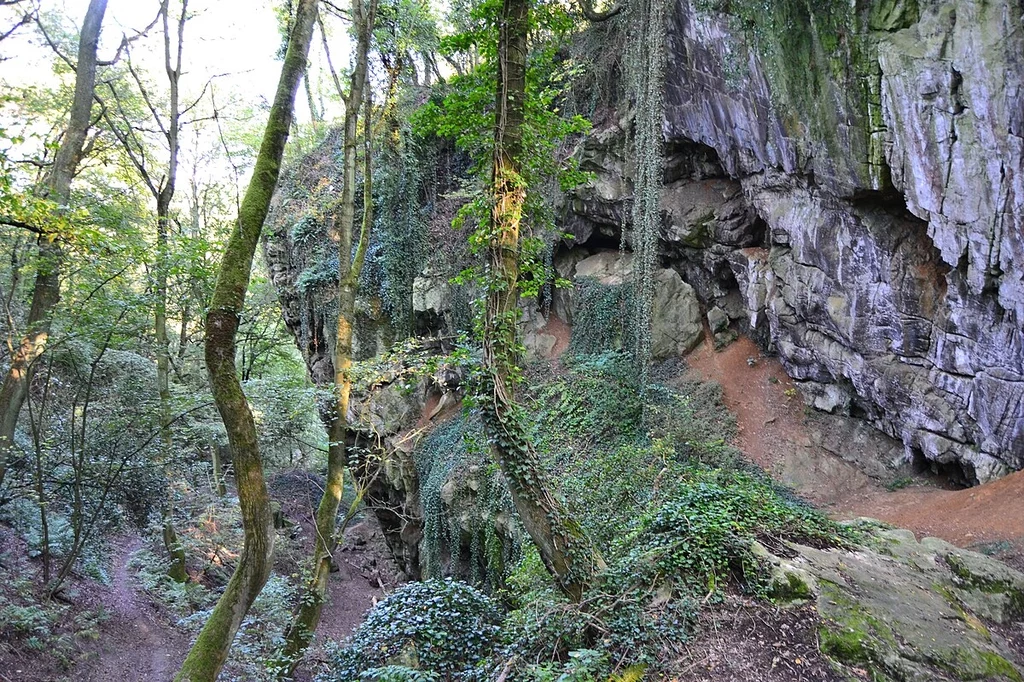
x,y
57,188
307,617
208,654
563,547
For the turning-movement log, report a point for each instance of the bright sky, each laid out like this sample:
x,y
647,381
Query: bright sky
x,y
234,37
233,42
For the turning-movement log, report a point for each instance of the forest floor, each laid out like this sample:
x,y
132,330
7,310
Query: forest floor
x,y
774,432
138,641
137,644
366,572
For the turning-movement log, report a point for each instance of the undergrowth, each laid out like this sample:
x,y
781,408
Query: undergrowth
x,y
214,528
672,507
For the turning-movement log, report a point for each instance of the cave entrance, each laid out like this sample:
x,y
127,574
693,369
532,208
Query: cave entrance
x,y
946,475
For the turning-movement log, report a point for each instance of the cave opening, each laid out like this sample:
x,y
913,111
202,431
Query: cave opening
x,y
947,475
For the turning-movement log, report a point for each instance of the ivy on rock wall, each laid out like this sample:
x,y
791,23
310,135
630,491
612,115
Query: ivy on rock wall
x,y
644,68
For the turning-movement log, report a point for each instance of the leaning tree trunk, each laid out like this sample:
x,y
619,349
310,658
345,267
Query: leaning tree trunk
x,y
207,656
564,548
307,617
57,188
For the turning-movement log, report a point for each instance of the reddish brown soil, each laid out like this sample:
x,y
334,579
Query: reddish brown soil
x,y
773,434
365,574
562,333
136,644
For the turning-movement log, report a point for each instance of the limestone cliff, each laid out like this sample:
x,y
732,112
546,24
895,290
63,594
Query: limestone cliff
x,y
846,182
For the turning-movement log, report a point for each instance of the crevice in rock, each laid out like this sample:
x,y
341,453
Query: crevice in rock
x,y
955,475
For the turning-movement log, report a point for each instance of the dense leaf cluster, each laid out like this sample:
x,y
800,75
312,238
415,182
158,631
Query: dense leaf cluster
x,y
442,626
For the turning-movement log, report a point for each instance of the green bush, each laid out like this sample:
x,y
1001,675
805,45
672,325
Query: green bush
x,y
700,536
440,627
397,673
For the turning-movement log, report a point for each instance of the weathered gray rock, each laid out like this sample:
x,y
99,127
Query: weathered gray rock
x,y
718,321
903,609
676,324
851,176
539,343
431,293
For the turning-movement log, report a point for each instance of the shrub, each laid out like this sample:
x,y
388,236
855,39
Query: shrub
x,y
440,627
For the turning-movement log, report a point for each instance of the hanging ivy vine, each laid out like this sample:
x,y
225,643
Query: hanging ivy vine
x,y
644,71
401,223
479,517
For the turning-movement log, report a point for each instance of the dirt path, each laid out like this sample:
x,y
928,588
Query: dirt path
x,y
774,433
365,573
135,645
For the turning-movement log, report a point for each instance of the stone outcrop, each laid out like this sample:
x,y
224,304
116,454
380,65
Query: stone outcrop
x,y
675,314
919,611
846,183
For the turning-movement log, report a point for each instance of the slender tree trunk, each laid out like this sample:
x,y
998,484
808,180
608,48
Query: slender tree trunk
x,y
563,546
175,551
307,617
57,188
164,197
210,650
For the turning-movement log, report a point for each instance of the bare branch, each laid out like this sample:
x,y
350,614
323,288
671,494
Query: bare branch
x,y
53,46
129,142
126,42
24,21
145,97
330,64
14,222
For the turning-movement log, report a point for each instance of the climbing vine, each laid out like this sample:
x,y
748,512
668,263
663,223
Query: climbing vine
x,y
644,70
399,250
602,317
466,506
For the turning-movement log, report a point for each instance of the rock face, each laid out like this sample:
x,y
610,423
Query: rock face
x,y
846,182
675,314
918,611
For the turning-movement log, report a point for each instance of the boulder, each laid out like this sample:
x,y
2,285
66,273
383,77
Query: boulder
x,y
676,321
905,609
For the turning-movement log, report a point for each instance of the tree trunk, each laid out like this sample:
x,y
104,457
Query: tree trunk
x,y
563,546
176,552
164,197
303,626
57,188
210,650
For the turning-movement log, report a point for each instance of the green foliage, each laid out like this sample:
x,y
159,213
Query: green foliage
x,y
603,317
670,505
454,455
462,110
285,409
443,627
700,535
50,628
150,570
595,405
398,673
